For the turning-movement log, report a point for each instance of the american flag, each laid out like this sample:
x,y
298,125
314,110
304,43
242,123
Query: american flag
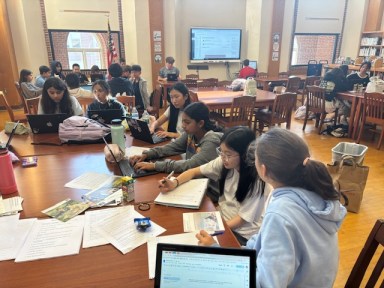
x,y
111,54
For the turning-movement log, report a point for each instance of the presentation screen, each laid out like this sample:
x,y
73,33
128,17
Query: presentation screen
x,y
215,45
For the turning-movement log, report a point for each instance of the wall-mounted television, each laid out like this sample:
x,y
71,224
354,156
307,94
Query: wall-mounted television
x,y
209,45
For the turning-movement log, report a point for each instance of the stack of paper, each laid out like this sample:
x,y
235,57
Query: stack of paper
x,y
10,206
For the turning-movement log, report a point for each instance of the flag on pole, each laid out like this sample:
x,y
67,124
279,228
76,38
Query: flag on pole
x,y
111,53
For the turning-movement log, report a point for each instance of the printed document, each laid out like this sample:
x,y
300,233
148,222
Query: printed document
x,y
88,181
208,221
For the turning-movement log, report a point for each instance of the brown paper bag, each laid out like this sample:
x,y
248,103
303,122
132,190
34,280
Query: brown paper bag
x,y
349,178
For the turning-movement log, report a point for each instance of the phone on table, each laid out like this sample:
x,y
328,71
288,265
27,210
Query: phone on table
x,y
29,161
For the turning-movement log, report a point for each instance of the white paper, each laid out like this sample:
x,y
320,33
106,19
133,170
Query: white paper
x,y
10,205
8,228
52,238
23,227
88,181
134,150
120,230
183,238
208,221
91,237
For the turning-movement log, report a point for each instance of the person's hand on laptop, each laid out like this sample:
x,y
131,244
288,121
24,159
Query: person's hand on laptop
x,y
137,158
205,239
149,166
165,134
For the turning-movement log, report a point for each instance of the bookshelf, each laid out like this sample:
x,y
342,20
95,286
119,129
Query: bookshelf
x,y
371,44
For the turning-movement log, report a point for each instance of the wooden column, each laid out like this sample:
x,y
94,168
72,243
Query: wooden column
x,y
8,65
374,15
156,29
276,37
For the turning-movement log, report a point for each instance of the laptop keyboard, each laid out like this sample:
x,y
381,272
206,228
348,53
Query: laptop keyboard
x,y
128,170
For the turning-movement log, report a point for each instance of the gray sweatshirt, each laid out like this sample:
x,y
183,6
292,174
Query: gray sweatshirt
x,y
196,153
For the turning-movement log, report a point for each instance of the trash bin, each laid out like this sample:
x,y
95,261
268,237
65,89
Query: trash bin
x,y
352,149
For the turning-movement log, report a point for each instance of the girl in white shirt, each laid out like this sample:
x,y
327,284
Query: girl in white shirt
x,y
242,196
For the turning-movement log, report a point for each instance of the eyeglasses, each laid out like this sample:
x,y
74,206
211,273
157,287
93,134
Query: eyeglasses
x,y
223,155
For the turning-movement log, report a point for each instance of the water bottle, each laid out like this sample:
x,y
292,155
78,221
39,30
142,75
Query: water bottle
x,y
145,116
7,179
135,113
117,131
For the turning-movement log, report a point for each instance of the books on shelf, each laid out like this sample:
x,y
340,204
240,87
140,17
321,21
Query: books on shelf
x,y
187,195
208,221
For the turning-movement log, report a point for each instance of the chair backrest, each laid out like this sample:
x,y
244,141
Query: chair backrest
x,y
242,109
84,102
283,74
190,83
359,60
22,98
213,80
4,102
310,81
193,96
156,101
317,82
373,107
316,99
262,75
127,101
192,76
224,83
283,107
293,84
375,238
32,105
204,83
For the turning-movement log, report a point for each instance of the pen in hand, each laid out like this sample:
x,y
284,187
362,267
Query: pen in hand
x,y
217,233
168,177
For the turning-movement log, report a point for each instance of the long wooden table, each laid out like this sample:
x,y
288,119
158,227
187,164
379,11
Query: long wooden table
x,y
102,266
276,80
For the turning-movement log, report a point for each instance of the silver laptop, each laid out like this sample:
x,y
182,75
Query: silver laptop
x,y
201,267
46,123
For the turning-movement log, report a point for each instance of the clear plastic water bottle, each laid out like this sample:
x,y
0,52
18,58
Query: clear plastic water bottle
x,y
135,113
145,116
117,131
7,179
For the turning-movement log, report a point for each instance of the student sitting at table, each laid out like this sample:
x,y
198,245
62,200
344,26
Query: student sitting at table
x,y
103,98
247,71
56,99
27,87
242,193
297,245
45,73
179,100
140,89
96,73
82,77
168,69
360,77
75,90
57,70
118,84
199,142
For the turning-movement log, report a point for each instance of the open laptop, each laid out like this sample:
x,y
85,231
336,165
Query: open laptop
x,y
171,77
126,168
140,130
199,266
95,77
105,116
46,123
6,145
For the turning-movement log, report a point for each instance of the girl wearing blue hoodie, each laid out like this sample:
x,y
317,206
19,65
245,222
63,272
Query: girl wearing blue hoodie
x,y
297,245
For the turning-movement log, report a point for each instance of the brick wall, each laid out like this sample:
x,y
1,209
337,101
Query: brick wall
x,y
315,47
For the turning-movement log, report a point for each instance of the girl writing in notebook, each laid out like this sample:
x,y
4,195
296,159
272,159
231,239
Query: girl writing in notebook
x,y
242,192
179,100
56,99
198,142
297,245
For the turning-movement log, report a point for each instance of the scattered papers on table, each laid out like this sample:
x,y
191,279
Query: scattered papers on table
x,y
208,221
88,181
50,238
120,230
10,206
66,210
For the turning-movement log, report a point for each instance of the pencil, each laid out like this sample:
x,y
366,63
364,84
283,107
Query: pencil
x,y
168,177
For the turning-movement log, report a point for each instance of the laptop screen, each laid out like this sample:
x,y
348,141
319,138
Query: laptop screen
x,y
197,266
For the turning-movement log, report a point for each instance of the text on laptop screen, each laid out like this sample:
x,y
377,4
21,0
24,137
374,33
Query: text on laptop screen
x,y
188,269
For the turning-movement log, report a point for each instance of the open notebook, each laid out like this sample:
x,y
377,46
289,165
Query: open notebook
x,y
187,195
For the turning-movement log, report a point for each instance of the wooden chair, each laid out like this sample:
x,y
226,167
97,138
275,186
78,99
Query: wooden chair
x,y
224,83
293,84
127,101
205,84
316,103
156,101
213,80
12,116
190,83
193,96
309,81
84,102
373,112
281,112
192,76
359,60
33,105
21,96
283,75
241,113
375,238
261,75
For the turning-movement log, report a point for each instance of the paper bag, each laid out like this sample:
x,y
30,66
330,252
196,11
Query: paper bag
x,y
349,178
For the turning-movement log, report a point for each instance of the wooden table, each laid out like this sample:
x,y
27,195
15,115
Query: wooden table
x,y
355,99
221,98
276,80
102,266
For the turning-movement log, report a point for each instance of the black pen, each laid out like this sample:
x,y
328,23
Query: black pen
x,y
217,233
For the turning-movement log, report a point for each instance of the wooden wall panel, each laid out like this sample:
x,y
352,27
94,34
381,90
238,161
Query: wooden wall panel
x,y
374,15
276,37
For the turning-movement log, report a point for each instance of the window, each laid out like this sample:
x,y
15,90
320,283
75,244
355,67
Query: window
x,y
313,47
84,49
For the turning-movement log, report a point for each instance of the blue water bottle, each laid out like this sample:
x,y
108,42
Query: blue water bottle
x,y
117,131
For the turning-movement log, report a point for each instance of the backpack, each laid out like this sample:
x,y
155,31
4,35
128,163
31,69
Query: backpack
x,y
82,130
250,87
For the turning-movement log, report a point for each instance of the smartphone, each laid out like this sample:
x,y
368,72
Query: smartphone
x,y
29,161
